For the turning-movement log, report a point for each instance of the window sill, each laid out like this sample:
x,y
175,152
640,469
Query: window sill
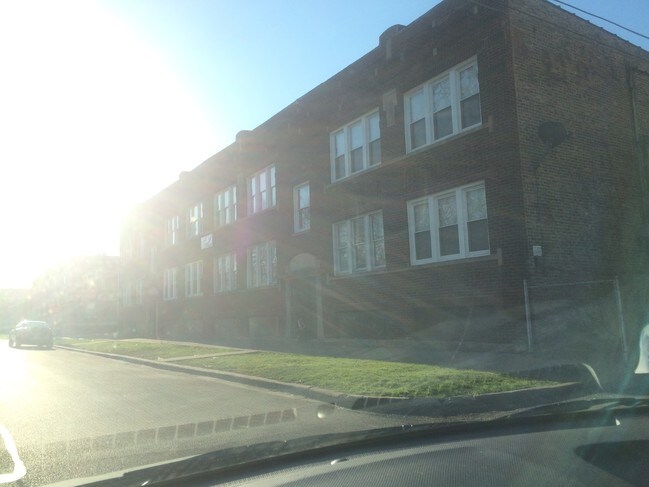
x,y
448,138
355,175
462,261
301,232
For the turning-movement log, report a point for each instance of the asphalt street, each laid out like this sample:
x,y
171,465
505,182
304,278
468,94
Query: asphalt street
x,y
73,415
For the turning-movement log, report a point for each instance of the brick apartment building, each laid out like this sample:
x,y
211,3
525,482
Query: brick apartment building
x,y
480,146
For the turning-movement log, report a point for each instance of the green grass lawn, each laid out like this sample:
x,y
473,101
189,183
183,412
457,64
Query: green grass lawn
x,y
148,350
367,377
350,376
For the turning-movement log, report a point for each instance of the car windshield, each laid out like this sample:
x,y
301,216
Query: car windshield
x,y
232,224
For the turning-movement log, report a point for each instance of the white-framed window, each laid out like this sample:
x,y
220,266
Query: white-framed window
x,y
225,272
443,106
356,146
449,225
171,230
261,190
195,220
225,206
262,265
359,244
193,278
301,207
170,284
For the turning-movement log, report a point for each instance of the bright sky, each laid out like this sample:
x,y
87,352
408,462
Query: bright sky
x,y
104,102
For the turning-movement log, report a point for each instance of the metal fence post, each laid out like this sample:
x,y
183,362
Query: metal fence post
x,y
528,316
620,317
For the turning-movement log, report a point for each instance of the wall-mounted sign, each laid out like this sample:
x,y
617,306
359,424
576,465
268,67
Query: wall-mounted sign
x,y
206,242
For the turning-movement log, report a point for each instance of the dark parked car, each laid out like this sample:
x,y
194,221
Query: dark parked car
x,y
31,333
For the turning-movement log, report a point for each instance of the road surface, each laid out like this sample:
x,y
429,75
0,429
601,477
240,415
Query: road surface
x,y
74,415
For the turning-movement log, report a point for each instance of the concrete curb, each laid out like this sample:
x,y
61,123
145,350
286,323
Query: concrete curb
x,y
323,395
497,401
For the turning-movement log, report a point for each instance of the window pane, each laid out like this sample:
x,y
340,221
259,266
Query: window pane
x,y
304,219
418,133
356,136
343,260
340,171
423,248
360,256
422,221
273,263
469,82
443,123
476,204
417,106
303,196
377,225
449,240
378,257
342,234
253,267
357,159
478,235
471,111
359,230
360,243
375,152
441,95
373,127
339,143
447,210
263,265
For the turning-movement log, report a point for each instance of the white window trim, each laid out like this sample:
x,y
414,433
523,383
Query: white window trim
x,y
170,284
230,264
433,216
229,211
269,173
194,228
296,208
193,279
427,88
171,234
369,266
271,249
346,129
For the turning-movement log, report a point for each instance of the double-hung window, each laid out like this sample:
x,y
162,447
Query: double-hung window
x,y
171,233
449,225
225,272
262,265
356,146
195,220
443,106
261,190
359,244
225,206
170,284
193,278
302,208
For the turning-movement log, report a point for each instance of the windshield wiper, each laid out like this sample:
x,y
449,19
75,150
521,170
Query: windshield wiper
x,y
594,405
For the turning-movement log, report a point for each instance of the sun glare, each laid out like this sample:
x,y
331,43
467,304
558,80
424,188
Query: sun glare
x,y
93,120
